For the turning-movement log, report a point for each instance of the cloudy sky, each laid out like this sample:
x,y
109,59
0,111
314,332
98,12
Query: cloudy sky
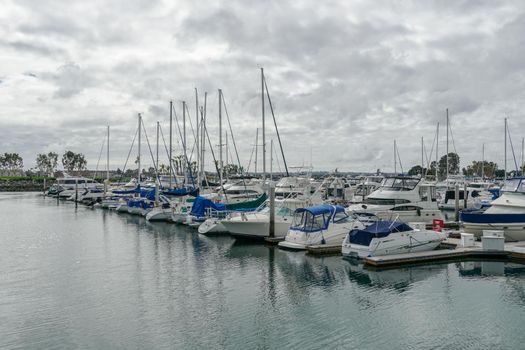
x,y
346,77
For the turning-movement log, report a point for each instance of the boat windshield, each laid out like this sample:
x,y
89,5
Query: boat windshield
x,y
514,185
307,222
400,184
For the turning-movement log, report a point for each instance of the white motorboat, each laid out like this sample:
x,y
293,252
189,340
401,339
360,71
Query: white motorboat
x,y
402,198
322,224
69,185
388,238
506,213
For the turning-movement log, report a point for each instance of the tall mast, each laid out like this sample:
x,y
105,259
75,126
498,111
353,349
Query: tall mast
x,y
185,167
197,124
256,148
203,135
226,149
505,176
437,146
138,158
422,160
171,148
522,149
220,137
263,124
483,162
107,159
447,143
395,158
157,160
271,159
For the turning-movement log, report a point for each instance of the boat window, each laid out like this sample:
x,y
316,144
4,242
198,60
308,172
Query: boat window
x,y
511,185
299,220
283,211
385,201
406,208
341,216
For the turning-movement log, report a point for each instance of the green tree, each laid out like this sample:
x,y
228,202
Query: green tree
x,y
12,163
416,170
47,163
453,165
73,161
475,169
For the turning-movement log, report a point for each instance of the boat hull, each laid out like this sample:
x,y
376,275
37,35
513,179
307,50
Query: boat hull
x,y
512,225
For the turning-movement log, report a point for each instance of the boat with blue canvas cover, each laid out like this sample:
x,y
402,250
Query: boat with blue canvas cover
x,y
506,213
388,238
321,224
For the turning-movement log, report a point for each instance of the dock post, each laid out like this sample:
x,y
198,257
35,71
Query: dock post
x,y
272,211
456,200
76,192
465,196
44,186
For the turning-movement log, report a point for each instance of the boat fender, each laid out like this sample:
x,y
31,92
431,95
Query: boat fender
x,y
438,225
418,211
364,206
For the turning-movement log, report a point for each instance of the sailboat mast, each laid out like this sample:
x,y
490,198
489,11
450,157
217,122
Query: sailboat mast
x,y
522,149
185,167
422,160
171,148
107,159
203,138
197,124
437,147
220,137
263,124
256,148
447,142
483,162
138,158
505,176
395,158
271,159
157,160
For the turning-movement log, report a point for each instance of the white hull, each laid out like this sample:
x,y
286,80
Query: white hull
x,y
256,227
159,214
138,211
512,231
122,208
212,226
395,243
335,234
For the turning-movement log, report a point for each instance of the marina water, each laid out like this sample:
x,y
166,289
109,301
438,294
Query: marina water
x,y
76,277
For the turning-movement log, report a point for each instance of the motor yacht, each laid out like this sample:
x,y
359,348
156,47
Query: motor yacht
x,y
322,224
506,213
403,198
388,238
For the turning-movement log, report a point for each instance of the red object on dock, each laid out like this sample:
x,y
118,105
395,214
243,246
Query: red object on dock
x,y
438,225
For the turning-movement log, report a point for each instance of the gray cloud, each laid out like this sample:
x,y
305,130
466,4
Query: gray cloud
x,y
345,77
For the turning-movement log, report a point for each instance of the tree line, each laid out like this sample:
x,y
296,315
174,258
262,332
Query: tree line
x,y
477,168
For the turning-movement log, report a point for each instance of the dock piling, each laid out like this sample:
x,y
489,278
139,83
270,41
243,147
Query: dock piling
x,y
456,200
272,211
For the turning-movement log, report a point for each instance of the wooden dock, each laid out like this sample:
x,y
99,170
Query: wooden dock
x,y
324,249
273,240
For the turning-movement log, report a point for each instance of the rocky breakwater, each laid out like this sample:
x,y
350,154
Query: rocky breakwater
x,y
7,185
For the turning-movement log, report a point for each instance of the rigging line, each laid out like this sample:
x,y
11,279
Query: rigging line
x,y
150,152
250,161
275,123
233,139
512,148
183,145
203,144
431,152
277,161
193,133
214,160
129,153
168,155
99,156
452,137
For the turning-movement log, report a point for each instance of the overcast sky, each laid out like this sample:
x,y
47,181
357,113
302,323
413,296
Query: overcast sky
x,y
346,77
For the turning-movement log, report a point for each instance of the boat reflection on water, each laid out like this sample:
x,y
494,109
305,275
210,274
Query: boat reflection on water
x,y
490,268
399,279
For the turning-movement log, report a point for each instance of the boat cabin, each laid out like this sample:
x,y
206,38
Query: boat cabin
x,y
317,218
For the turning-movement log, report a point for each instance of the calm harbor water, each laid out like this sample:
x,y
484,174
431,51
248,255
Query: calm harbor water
x,y
91,279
